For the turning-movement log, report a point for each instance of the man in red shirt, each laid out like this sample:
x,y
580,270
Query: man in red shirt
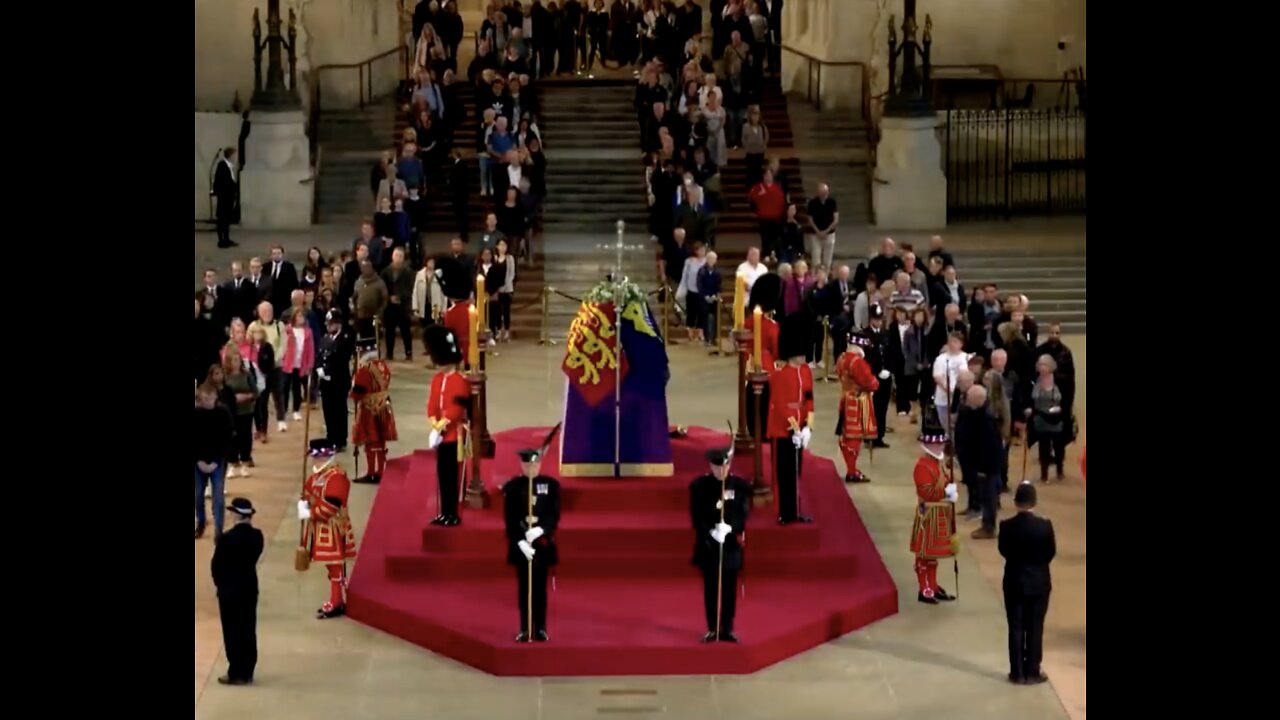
x,y
771,211
447,411
791,413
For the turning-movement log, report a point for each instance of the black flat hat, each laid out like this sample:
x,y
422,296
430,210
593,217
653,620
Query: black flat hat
x,y
1025,495
242,507
529,455
719,456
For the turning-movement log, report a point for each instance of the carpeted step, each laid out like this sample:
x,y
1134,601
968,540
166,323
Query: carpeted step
x,y
765,562
615,531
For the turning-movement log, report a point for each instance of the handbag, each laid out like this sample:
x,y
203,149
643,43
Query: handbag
x,y
302,560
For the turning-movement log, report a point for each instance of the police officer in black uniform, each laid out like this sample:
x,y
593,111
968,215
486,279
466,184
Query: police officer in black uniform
x,y
334,370
235,574
711,534
531,537
874,341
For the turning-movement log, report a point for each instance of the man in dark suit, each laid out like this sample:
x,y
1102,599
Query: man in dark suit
x,y
241,294
213,305
226,191
773,10
981,456
1027,545
460,189
235,574
284,280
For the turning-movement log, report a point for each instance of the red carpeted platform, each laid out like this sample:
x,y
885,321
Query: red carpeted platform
x,y
626,600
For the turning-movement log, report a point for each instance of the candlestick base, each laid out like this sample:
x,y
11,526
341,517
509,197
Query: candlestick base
x,y
761,489
476,495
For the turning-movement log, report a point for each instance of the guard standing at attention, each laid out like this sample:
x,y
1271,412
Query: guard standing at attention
x,y
235,574
719,503
375,421
448,408
874,341
531,538
791,413
327,532
457,288
333,366
933,531
855,419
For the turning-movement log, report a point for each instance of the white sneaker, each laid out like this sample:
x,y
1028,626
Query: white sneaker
x,y
493,343
297,417
281,426
244,471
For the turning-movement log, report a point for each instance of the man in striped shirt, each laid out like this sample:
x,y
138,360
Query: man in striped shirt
x,y
904,296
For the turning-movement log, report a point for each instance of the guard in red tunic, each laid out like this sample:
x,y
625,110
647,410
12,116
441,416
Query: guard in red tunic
x,y
327,532
933,534
766,294
447,411
856,419
791,413
375,421
457,289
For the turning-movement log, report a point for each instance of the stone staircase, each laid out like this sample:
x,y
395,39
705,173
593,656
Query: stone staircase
x,y
594,173
832,148
352,140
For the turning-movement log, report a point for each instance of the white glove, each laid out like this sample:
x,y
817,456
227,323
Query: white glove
x,y
533,534
526,548
304,510
434,440
1055,410
797,440
805,435
951,492
323,375
720,532
884,375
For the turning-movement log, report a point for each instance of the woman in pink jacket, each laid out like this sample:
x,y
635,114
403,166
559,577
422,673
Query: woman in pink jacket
x,y
298,362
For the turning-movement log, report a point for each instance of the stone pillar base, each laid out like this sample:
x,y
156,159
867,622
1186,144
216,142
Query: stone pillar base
x,y
274,194
909,191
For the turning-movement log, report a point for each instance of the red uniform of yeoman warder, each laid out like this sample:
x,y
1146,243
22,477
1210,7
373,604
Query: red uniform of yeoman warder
x,y
375,421
933,531
857,417
327,531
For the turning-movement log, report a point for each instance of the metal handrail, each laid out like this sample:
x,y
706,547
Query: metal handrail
x,y
813,93
365,84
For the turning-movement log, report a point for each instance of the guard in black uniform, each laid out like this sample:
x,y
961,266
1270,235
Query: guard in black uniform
x,y
874,341
712,534
531,537
333,366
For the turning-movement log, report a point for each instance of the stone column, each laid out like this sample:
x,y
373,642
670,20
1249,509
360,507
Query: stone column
x,y
274,190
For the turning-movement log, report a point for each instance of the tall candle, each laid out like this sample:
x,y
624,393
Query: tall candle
x,y
473,347
482,300
739,302
757,318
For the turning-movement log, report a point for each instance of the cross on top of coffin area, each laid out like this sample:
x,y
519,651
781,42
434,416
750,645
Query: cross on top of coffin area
x,y
619,246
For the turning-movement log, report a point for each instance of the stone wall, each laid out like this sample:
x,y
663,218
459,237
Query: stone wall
x,y
1020,36
214,131
329,32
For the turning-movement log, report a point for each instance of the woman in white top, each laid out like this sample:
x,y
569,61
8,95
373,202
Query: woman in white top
x,y
428,297
688,292
500,317
709,88
946,375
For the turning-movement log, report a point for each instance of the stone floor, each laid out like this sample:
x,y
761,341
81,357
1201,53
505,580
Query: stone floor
x,y
926,661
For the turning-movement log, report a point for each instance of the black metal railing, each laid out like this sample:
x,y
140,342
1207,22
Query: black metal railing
x,y
374,77
1022,158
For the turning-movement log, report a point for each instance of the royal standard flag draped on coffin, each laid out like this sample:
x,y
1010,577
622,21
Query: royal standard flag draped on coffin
x,y
601,351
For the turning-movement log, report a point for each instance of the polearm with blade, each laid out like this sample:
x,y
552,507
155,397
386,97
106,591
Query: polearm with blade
x,y
720,569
